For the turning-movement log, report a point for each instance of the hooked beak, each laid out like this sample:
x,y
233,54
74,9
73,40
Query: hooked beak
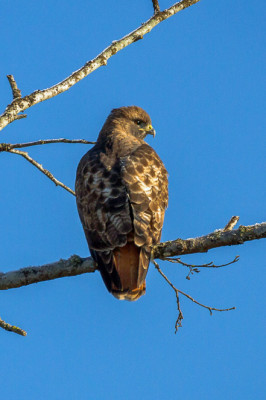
x,y
150,130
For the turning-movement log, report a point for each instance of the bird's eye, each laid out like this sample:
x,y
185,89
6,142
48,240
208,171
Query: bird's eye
x,y
138,121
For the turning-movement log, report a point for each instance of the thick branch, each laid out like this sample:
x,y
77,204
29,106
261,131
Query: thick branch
x,y
76,265
202,244
20,104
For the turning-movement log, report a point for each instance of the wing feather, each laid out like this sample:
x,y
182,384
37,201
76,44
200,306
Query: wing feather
x,y
146,182
121,207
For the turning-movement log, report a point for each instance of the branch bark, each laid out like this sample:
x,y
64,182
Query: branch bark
x,y
156,6
12,328
215,239
76,265
21,104
13,84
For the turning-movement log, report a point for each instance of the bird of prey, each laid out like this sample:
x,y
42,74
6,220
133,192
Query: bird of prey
x,y
122,194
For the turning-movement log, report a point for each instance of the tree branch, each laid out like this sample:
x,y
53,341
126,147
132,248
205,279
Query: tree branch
x,y
13,84
43,170
156,6
231,224
12,328
76,265
21,104
10,146
195,268
180,316
202,244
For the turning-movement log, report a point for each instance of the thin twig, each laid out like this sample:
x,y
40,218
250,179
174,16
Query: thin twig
x,y
43,170
208,265
156,6
194,268
21,104
177,291
202,305
180,317
12,328
13,84
10,146
231,224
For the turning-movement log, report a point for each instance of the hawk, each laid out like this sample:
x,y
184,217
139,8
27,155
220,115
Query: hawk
x,y
122,193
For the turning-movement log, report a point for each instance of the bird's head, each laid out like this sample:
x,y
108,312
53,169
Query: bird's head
x,y
133,120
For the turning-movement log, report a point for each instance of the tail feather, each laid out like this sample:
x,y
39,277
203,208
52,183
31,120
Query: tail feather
x,y
124,270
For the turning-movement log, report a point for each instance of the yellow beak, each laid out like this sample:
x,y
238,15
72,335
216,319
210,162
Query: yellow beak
x,y
150,130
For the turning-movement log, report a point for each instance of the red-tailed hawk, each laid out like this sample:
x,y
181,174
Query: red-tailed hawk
x,y
122,194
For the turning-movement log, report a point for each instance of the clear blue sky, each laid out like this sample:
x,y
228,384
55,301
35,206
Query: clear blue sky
x,y
201,77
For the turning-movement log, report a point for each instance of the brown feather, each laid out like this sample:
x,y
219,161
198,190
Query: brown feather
x,y
126,260
122,194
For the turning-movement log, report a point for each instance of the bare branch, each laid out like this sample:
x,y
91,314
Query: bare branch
x,y
180,317
12,328
202,244
21,104
43,170
10,146
156,6
208,265
76,265
16,95
15,90
177,291
202,305
231,224
20,116
195,268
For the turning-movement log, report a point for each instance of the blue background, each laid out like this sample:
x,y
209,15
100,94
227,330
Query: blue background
x,y
201,77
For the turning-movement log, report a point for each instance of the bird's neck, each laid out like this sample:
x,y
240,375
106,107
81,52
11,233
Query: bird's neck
x,y
119,144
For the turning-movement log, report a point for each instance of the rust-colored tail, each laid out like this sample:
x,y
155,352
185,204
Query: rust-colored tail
x,y
131,268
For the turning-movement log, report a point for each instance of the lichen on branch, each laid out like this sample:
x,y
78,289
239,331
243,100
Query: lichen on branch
x,y
76,265
20,104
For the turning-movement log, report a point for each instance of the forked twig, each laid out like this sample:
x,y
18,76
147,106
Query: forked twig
x,y
178,322
177,291
195,268
8,147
